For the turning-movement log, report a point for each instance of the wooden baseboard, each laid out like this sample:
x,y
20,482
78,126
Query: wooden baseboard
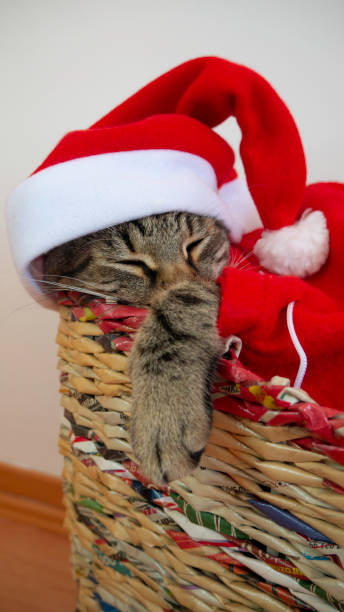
x,y
31,497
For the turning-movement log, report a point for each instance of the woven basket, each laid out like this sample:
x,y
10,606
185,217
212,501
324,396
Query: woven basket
x,y
258,526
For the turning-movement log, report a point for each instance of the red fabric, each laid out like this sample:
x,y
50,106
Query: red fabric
x,y
254,307
329,198
175,132
208,89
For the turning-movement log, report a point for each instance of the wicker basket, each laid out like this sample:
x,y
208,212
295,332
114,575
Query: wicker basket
x,y
259,526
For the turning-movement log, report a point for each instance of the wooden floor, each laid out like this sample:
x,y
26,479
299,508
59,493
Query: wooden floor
x,y
34,570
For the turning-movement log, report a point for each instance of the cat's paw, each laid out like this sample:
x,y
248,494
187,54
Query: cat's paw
x,y
171,365
170,447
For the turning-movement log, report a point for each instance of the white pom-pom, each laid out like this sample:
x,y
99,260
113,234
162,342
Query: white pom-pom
x,y
298,250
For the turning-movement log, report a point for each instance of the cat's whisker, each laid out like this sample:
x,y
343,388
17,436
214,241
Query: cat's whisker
x,y
73,288
33,304
86,283
22,308
234,263
242,263
242,259
247,267
238,259
248,254
235,258
236,255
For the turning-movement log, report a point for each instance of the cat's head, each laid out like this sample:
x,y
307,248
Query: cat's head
x,y
131,260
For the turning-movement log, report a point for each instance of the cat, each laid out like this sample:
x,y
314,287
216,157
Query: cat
x,y
168,262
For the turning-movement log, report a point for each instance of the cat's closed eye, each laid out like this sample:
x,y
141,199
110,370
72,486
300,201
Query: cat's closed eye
x,y
192,249
139,268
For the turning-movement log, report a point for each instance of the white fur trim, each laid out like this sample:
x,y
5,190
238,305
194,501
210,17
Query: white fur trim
x,y
298,250
74,198
244,216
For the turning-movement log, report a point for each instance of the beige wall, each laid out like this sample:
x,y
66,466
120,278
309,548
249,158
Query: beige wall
x,y
64,63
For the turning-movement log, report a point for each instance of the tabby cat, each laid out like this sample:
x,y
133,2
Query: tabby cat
x,y
168,262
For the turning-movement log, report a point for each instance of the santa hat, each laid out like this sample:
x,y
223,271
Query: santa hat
x,y
156,152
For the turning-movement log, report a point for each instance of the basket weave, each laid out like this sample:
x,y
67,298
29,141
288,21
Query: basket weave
x,y
259,526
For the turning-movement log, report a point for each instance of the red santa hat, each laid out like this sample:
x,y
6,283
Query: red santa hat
x,y
157,152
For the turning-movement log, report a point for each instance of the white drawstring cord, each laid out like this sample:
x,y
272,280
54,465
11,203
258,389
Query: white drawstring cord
x,y
301,353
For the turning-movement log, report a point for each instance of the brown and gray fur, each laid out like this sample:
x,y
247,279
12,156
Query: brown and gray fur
x,y
168,262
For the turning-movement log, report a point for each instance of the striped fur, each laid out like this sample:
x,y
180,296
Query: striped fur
x,y
168,262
